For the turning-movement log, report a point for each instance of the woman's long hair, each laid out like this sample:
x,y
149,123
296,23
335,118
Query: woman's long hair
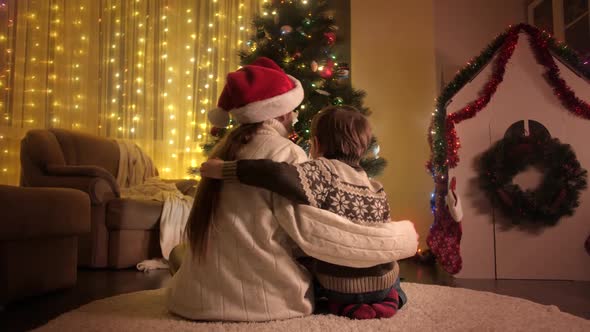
x,y
207,197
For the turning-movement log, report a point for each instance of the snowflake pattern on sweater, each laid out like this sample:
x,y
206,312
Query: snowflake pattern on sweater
x,y
329,191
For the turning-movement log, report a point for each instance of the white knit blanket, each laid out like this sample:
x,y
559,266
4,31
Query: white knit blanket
x,y
137,178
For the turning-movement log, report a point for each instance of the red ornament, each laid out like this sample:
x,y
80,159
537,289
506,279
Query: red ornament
x,y
330,38
328,69
294,137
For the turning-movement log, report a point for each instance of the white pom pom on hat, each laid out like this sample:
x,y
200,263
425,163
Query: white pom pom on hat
x,y
255,93
218,117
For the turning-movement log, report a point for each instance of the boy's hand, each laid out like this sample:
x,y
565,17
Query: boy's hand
x,y
212,168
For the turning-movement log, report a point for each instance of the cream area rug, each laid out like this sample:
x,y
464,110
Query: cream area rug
x,y
429,308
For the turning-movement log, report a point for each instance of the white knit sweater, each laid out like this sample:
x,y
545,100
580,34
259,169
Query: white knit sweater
x,y
250,273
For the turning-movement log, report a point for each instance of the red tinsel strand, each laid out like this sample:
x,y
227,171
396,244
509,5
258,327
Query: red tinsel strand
x,y
565,94
445,233
453,145
539,44
497,77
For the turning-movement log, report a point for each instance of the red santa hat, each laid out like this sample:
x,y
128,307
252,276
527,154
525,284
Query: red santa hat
x,y
255,93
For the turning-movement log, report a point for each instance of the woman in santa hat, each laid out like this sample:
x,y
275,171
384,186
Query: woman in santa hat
x,y
240,264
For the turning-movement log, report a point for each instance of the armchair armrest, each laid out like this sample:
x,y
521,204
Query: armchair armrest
x,y
30,213
84,171
99,190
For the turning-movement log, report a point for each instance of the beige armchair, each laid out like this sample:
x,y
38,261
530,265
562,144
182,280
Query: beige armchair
x,y
39,230
123,231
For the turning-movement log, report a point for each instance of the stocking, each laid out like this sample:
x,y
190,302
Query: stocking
x,y
444,238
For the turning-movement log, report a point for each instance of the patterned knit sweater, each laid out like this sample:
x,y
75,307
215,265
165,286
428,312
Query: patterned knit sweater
x,y
334,186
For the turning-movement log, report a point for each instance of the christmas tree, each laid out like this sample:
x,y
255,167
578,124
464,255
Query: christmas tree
x,y
299,36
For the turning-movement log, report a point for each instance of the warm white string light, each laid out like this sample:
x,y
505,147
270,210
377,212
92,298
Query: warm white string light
x,y
136,69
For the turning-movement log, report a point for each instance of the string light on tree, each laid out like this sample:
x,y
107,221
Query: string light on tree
x,y
299,36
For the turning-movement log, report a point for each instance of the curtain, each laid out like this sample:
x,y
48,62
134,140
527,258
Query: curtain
x,y
145,70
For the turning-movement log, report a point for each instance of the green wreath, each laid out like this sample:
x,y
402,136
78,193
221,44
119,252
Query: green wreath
x,y
557,195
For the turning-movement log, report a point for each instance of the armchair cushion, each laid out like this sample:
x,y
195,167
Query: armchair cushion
x,y
29,213
131,214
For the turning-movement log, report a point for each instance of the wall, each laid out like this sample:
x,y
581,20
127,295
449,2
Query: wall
x,y
464,27
393,61
398,51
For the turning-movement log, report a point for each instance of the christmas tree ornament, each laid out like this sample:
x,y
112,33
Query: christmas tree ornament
x,y
306,21
314,66
294,137
330,38
319,84
322,92
375,150
343,71
260,32
327,70
338,101
286,29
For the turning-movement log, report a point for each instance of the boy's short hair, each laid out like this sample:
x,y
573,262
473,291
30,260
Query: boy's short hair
x,y
343,133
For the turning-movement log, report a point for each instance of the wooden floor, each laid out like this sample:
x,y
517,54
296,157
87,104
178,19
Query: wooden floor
x,y
569,296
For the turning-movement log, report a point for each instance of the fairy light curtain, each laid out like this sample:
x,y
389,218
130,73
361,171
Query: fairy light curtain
x,y
146,70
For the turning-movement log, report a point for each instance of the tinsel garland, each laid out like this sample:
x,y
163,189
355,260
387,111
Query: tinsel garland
x,y
542,45
442,136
